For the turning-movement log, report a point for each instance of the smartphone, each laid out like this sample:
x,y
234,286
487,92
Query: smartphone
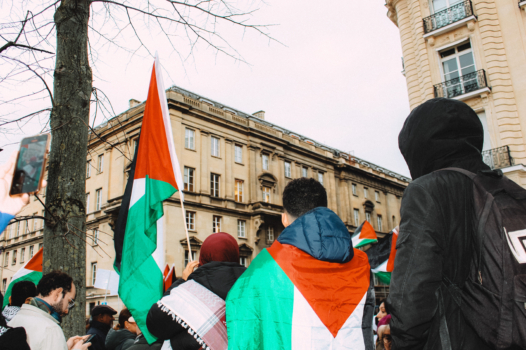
x,y
30,165
89,339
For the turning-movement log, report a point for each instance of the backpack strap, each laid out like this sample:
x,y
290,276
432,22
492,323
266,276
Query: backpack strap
x,y
460,170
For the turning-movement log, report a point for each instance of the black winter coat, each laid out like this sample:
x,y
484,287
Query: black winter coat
x,y
435,238
100,330
121,339
140,343
218,277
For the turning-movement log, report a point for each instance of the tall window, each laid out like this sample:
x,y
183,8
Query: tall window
x,y
6,259
88,169
26,227
379,222
17,229
31,251
35,222
304,172
93,273
215,146
214,185
22,255
189,179
354,190
87,202
266,194
264,157
13,262
189,138
100,164
241,228
216,223
270,234
320,178
95,236
365,192
356,217
4,285
368,216
238,153
239,190
190,220
194,258
243,261
458,67
98,198
40,245
377,196
288,169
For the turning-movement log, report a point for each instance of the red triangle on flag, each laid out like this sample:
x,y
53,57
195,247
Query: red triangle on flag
x,y
35,264
367,231
392,255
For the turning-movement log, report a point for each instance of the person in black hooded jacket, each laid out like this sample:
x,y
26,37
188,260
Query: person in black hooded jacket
x,y
435,239
218,270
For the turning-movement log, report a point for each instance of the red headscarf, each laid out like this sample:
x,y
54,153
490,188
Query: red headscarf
x,y
219,246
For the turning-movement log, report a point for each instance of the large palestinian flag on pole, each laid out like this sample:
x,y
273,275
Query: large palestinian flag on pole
x,y
31,271
364,235
382,256
155,178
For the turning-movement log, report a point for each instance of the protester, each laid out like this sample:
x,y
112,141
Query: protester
x,y
21,293
12,338
381,312
101,322
386,337
41,318
140,342
310,289
124,334
435,239
9,205
207,287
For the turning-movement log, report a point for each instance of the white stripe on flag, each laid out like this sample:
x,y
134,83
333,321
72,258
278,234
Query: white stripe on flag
x,y
380,268
158,254
138,191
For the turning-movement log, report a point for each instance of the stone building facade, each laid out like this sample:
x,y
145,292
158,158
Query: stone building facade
x,y
474,51
235,168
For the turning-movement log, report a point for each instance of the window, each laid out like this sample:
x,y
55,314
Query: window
x,y
189,138
458,68
239,191
354,190
241,228
88,169
31,251
95,236
4,285
186,257
214,185
13,262
216,224
26,227
320,178
6,259
243,261
368,216
356,217
270,234
377,196
87,202
40,245
266,194
100,164
98,198
379,222
93,273
22,255
189,179
304,172
288,169
190,220
238,153
365,192
215,146
439,5
264,157
17,233
35,222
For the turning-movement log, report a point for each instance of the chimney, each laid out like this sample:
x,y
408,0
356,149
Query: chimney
x,y
134,103
260,115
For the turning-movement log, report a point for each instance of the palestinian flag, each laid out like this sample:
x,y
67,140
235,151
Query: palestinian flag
x,y
364,235
382,256
287,299
168,277
156,175
31,271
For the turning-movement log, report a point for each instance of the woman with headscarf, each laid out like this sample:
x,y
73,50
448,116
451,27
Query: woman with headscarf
x,y
191,314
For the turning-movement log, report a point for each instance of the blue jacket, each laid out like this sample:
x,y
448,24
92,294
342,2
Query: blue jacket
x,y
4,220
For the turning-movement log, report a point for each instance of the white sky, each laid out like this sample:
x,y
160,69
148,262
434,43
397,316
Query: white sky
x,y
337,78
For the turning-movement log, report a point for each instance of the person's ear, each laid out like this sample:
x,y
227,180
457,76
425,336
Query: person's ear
x,y
55,294
28,300
285,220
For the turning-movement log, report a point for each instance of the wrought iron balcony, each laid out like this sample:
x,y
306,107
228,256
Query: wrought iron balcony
x,y
462,85
497,158
450,15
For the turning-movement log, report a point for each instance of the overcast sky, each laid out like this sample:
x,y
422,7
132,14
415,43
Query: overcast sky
x,y
336,78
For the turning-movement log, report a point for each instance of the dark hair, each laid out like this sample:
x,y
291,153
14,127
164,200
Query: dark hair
x,y
124,316
21,291
54,280
302,195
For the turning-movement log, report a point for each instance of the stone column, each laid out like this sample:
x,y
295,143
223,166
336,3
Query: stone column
x,y
331,191
252,180
229,181
344,191
205,156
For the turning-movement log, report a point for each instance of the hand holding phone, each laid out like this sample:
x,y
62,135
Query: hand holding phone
x,y
10,205
30,165
88,340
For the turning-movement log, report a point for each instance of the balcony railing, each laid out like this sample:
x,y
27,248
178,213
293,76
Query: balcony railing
x,y
462,85
450,15
497,158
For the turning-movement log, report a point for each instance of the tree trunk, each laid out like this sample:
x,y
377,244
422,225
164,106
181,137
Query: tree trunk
x,y
65,231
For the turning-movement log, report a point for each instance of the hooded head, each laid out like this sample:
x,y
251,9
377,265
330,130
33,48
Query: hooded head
x,y
442,133
219,246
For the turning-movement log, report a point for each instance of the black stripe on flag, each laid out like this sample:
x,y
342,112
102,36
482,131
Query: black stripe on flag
x,y
379,252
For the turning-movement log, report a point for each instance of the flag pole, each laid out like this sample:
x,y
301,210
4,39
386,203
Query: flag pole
x,y
186,228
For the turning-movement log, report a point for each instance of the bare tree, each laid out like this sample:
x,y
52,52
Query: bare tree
x,y
68,35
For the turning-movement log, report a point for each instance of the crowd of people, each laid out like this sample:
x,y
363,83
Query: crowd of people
x,y
312,289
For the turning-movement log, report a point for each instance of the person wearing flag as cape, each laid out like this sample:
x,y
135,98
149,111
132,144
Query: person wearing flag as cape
x,y
310,290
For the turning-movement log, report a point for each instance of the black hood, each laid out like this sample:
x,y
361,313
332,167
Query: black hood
x,y
442,133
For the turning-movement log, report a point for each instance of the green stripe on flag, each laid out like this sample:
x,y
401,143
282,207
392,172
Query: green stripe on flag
x,y
384,277
141,279
33,276
365,242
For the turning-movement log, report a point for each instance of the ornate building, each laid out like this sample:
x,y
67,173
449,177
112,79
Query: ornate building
x,y
473,51
235,168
